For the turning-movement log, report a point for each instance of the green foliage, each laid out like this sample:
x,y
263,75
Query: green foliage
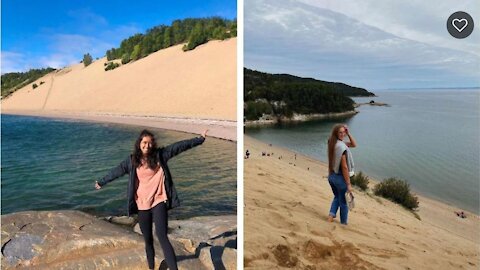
x,y
167,38
360,181
125,58
191,31
256,109
178,32
16,80
398,191
298,95
197,37
87,59
111,65
232,28
289,94
136,54
255,79
220,33
34,86
111,54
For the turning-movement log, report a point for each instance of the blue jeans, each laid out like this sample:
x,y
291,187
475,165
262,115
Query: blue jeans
x,y
339,188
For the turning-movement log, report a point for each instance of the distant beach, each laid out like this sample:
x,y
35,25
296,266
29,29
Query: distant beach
x,y
222,129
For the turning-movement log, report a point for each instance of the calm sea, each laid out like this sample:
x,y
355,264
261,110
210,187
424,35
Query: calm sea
x,y
431,138
50,164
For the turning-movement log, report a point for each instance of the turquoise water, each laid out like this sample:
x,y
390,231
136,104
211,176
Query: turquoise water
x,y
50,164
428,137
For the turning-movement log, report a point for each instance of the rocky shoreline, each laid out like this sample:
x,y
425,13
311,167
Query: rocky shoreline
x,y
272,120
70,239
371,103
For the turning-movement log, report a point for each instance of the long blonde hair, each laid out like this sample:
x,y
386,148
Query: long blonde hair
x,y
331,145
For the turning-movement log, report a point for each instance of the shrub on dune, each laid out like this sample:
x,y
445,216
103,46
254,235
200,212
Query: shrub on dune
x,y
398,191
87,59
360,181
111,66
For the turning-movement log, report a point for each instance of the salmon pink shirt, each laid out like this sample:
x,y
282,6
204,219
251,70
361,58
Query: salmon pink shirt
x,y
150,187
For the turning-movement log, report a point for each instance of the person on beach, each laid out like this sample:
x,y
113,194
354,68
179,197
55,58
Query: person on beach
x,y
460,214
151,192
340,169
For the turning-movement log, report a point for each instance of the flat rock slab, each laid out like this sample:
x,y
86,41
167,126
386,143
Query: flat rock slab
x,y
71,239
213,239
213,230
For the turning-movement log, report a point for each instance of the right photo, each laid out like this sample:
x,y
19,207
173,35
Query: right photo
x,y
361,135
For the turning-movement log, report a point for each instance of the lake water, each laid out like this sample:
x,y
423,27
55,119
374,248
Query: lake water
x,y
431,138
50,164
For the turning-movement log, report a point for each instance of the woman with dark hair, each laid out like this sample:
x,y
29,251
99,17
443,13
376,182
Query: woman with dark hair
x,y
340,169
151,191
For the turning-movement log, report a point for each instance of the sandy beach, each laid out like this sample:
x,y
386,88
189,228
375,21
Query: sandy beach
x,y
286,208
220,129
272,120
171,89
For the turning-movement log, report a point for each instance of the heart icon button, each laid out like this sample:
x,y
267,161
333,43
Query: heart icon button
x,y
460,24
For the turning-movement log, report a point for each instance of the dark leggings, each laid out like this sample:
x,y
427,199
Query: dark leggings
x,y
157,214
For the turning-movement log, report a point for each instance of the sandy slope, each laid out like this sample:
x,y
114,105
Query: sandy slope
x,y
169,83
286,207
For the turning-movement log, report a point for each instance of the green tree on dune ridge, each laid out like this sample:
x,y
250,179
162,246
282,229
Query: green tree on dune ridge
x,y
87,59
191,31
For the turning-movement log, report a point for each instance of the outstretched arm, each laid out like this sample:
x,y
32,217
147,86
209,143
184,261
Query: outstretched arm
x,y
178,147
114,173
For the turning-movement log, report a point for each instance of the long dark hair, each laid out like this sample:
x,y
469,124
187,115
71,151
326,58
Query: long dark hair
x,y
152,158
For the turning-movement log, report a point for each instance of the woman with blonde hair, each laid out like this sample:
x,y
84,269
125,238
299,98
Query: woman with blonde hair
x,y
340,169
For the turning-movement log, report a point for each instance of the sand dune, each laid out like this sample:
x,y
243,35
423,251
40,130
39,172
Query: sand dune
x,y
169,83
286,208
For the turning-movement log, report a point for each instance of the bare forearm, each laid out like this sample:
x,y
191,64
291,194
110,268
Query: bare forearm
x,y
346,175
345,172
353,143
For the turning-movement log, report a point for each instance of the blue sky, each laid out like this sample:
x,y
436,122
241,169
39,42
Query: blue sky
x,y
388,44
57,33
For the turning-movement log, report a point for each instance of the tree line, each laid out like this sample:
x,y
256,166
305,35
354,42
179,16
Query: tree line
x,y
192,31
284,95
16,80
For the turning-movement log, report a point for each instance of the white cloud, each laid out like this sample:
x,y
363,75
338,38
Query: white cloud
x,y
327,45
78,44
12,62
91,34
418,20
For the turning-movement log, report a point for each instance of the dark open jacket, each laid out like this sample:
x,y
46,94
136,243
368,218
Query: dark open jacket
x,y
164,154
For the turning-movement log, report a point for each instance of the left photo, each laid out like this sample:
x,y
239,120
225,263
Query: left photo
x,y
118,135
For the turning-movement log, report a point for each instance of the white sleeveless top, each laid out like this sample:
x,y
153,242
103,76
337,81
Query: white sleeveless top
x,y
340,148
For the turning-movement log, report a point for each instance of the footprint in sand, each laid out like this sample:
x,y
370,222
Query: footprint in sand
x,y
283,256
